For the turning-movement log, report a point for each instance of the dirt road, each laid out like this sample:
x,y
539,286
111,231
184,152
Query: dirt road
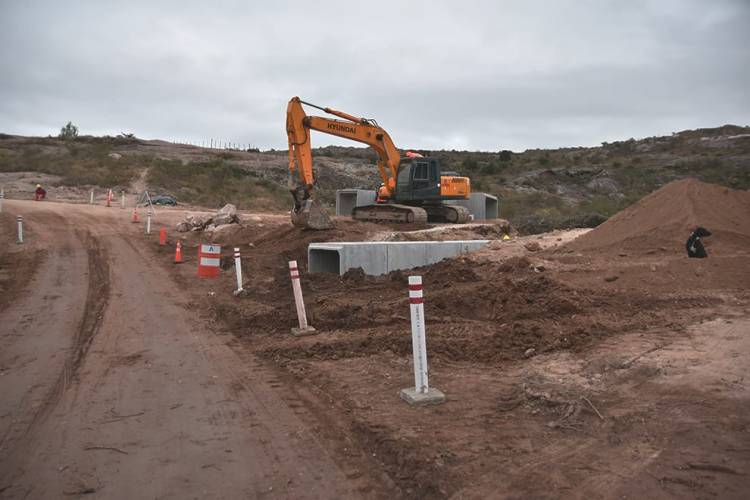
x,y
110,383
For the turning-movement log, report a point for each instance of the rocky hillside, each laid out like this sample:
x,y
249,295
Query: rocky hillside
x,y
539,189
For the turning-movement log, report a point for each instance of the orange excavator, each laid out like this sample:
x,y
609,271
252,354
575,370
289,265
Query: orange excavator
x,y
413,189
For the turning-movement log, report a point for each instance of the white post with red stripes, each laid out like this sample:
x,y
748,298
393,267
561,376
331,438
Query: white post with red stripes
x,y
418,343
304,328
238,268
421,393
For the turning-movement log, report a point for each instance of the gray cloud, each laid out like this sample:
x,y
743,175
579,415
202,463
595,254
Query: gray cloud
x,y
477,75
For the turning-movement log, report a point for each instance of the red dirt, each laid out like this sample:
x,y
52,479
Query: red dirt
x,y
663,220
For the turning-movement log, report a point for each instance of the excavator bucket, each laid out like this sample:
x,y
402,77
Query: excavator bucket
x,y
311,215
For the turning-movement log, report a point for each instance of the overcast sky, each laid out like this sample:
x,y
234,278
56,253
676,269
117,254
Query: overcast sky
x,y
479,75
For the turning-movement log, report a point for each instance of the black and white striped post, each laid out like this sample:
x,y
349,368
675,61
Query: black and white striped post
x,y
238,268
421,393
19,220
304,328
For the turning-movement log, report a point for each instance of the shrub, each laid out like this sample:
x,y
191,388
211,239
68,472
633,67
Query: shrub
x,y
69,131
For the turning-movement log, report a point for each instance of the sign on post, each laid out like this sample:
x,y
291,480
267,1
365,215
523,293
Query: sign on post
x,y
209,258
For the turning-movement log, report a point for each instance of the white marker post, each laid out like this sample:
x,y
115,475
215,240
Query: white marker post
x,y
238,268
421,393
304,328
148,223
91,198
122,200
2,197
19,220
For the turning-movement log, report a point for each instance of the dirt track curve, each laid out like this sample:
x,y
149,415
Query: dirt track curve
x,y
110,384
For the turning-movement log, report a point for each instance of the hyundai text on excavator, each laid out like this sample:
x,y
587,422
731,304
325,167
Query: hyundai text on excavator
x,y
413,188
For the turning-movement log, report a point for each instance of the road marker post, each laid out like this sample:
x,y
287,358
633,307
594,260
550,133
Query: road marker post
x,y
162,237
122,200
209,259
2,197
304,328
110,196
19,220
148,223
178,253
421,393
135,218
91,198
238,268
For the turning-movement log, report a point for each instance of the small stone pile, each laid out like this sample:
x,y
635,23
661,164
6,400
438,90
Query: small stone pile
x,y
227,215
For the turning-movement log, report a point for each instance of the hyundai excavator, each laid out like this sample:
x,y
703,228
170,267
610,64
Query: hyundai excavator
x,y
413,189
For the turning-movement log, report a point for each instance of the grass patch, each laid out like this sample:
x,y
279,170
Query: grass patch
x,y
214,184
77,163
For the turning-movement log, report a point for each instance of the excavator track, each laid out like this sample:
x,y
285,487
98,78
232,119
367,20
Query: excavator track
x,y
453,214
390,212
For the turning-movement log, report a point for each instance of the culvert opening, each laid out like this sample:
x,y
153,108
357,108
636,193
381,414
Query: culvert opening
x,y
324,260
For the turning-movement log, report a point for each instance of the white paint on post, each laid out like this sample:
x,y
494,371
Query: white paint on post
x,y
418,341
91,198
238,268
19,220
301,315
122,200
148,223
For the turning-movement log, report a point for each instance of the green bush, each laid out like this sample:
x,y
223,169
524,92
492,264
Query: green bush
x,y
69,131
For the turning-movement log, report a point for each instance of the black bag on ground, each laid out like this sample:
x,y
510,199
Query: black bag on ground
x,y
694,245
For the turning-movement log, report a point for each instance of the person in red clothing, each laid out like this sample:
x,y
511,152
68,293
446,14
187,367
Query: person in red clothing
x,y
40,193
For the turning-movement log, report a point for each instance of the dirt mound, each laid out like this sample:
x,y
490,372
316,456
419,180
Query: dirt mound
x,y
663,220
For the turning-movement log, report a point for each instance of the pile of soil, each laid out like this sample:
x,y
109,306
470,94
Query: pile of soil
x,y
663,220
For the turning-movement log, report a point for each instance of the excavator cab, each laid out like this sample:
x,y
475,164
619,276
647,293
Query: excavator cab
x,y
422,179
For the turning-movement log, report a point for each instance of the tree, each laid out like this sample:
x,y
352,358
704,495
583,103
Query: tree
x,y
69,131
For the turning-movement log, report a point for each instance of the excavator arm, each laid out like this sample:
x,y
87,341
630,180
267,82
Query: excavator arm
x,y
298,126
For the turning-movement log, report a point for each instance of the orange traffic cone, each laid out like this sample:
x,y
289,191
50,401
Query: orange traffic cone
x,y
162,237
135,217
178,253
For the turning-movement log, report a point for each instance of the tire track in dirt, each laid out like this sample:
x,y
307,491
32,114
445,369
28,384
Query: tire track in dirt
x,y
97,299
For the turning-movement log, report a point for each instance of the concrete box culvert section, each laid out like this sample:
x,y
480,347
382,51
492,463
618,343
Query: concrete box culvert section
x,y
482,206
348,199
381,257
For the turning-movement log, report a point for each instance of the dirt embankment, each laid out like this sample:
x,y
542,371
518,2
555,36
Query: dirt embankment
x,y
662,222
